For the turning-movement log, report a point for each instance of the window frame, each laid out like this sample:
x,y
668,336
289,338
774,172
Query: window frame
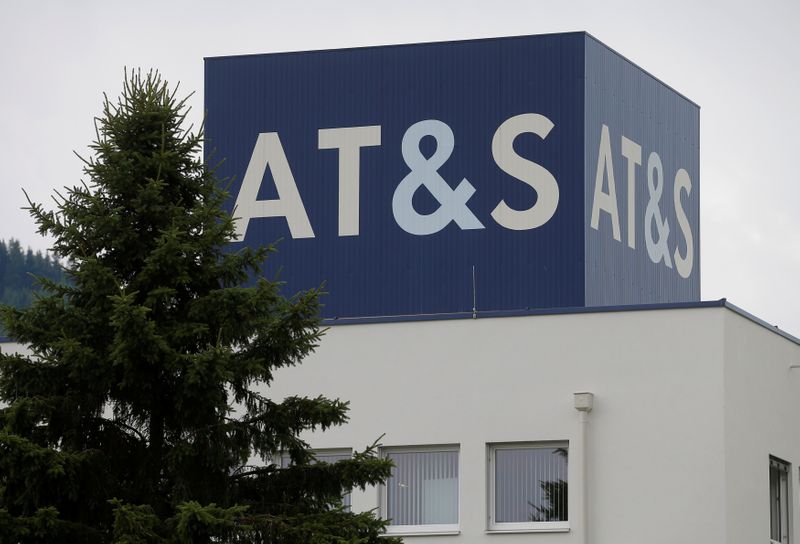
x,y
284,457
783,501
333,451
491,499
432,529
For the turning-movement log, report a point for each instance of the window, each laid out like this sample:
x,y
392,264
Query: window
x,y
779,500
421,495
528,487
326,456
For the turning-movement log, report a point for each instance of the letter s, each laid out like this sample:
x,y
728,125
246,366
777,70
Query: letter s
x,y
683,264
535,175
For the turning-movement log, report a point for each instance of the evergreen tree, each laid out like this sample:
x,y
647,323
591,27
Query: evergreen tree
x,y
134,419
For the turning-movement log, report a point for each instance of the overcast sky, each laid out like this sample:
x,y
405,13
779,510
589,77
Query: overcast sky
x,y
738,60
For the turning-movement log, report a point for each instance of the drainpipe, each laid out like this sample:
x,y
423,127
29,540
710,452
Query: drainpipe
x,y
583,404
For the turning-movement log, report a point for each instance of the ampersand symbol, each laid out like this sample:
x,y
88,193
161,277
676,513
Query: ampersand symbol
x,y
424,171
656,250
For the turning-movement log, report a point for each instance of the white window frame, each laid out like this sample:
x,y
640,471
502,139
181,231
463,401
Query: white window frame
x,y
784,501
527,526
430,530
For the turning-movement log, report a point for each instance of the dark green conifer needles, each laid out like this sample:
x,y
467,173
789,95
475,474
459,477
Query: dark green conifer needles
x,y
123,425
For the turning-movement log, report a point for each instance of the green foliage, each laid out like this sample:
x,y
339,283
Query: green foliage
x,y
197,523
135,524
147,392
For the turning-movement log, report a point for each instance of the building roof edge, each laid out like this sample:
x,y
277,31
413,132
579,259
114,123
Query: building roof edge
x,y
721,303
758,321
482,314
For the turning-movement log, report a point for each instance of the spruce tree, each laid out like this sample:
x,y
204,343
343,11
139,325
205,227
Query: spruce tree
x,y
146,395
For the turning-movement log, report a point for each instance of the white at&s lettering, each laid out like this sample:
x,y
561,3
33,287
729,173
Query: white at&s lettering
x,y
656,226
453,203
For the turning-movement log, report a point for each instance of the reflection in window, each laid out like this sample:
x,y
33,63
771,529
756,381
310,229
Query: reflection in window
x,y
423,489
529,486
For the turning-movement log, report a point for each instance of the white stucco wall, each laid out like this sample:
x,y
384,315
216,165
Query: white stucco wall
x,y
762,405
655,437
13,347
689,405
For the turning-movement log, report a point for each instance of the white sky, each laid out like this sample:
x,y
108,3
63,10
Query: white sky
x,y
738,60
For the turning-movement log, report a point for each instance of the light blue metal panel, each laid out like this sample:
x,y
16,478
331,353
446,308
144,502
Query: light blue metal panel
x,y
625,101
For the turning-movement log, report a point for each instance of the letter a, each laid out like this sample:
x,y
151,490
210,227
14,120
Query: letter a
x,y
269,152
605,201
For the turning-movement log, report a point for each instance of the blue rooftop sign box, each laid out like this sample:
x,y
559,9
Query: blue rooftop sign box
x,y
501,174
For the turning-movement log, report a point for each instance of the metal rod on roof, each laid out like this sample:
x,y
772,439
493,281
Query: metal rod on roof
x,y
474,295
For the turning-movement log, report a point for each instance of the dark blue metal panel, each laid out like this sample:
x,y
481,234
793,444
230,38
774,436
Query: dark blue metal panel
x,y
633,104
471,86
582,87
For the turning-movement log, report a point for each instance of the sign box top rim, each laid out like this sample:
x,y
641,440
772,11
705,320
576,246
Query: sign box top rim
x,y
455,42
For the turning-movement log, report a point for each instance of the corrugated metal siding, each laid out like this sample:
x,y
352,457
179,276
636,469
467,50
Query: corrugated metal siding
x,y
633,103
472,86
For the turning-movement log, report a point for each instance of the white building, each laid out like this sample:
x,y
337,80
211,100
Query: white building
x,y
691,436
661,419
